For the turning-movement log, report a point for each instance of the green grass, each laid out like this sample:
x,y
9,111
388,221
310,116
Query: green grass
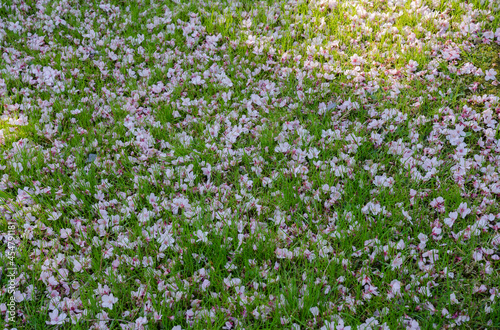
x,y
293,229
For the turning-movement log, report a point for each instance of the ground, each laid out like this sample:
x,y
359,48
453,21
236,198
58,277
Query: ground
x,y
252,165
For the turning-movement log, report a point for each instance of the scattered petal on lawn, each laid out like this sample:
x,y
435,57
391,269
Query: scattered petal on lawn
x,y
108,301
56,318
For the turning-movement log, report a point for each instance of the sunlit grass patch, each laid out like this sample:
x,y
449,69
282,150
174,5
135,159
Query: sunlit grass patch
x,y
239,164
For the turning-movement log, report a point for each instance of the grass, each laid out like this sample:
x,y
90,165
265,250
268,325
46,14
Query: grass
x,y
302,200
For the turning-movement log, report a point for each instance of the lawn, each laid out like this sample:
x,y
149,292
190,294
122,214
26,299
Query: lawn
x,y
301,164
